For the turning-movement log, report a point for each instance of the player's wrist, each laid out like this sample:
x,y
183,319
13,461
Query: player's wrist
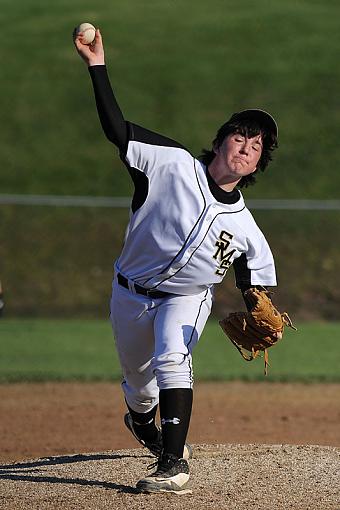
x,y
96,62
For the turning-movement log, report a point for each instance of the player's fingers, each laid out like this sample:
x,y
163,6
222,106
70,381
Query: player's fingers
x,y
77,43
98,41
77,37
76,34
80,46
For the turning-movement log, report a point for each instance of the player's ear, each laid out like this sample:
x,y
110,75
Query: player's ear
x,y
215,148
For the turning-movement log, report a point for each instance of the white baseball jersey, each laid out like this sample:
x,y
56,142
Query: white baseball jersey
x,y
181,238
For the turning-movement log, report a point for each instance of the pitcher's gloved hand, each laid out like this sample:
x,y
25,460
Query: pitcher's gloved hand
x,y
258,329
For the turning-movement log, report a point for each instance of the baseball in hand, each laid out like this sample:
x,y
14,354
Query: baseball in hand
x,y
88,32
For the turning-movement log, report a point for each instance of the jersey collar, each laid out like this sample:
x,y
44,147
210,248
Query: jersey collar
x,y
225,197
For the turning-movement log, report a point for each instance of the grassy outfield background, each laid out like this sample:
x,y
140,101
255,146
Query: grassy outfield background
x,y
180,68
177,67
84,350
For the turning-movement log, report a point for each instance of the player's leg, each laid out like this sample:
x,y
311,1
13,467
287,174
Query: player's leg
x,y
132,321
178,325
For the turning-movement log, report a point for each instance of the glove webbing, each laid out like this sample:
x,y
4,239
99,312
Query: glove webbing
x,y
255,353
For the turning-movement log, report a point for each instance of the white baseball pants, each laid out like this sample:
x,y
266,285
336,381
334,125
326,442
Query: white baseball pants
x,y
154,340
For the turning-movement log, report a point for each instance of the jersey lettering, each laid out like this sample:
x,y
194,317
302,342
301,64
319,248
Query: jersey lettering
x,y
223,243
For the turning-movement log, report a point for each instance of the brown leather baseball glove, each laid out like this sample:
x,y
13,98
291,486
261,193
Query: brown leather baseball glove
x,y
258,329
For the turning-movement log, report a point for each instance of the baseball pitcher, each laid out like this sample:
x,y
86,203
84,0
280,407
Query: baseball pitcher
x,y
188,225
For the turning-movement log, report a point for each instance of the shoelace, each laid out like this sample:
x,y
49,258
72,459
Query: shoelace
x,y
163,465
153,465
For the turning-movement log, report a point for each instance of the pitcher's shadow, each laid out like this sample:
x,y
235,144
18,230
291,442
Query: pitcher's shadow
x,y
21,471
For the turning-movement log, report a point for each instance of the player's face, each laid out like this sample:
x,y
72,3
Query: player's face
x,y
239,154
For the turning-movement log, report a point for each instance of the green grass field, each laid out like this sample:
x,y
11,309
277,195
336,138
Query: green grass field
x,y
47,350
178,67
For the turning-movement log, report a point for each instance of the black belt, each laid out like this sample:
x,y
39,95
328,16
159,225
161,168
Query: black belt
x,y
124,282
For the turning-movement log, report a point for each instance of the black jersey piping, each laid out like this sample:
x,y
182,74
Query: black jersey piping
x,y
198,314
191,337
187,262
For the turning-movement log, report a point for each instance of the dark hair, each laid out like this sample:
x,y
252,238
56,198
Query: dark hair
x,y
248,127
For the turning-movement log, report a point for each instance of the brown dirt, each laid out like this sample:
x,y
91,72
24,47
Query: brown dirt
x,y
223,477
39,420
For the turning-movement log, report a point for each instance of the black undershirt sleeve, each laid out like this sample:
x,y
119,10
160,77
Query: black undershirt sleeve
x,y
112,120
119,131
243,278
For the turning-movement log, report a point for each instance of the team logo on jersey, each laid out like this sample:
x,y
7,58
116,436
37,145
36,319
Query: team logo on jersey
x,y
222,254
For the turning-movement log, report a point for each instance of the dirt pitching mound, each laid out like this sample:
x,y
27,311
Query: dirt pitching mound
x,y
241,477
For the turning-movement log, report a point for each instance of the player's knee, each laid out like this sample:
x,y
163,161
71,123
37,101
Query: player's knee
x,y
173,370
141,399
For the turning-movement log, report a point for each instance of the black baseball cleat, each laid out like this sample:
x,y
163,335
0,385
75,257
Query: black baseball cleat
x,y
172,475
155,446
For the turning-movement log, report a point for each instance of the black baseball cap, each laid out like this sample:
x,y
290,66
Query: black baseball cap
x,y
263,118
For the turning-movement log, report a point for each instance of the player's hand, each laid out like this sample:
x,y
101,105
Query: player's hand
x,y
92,54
